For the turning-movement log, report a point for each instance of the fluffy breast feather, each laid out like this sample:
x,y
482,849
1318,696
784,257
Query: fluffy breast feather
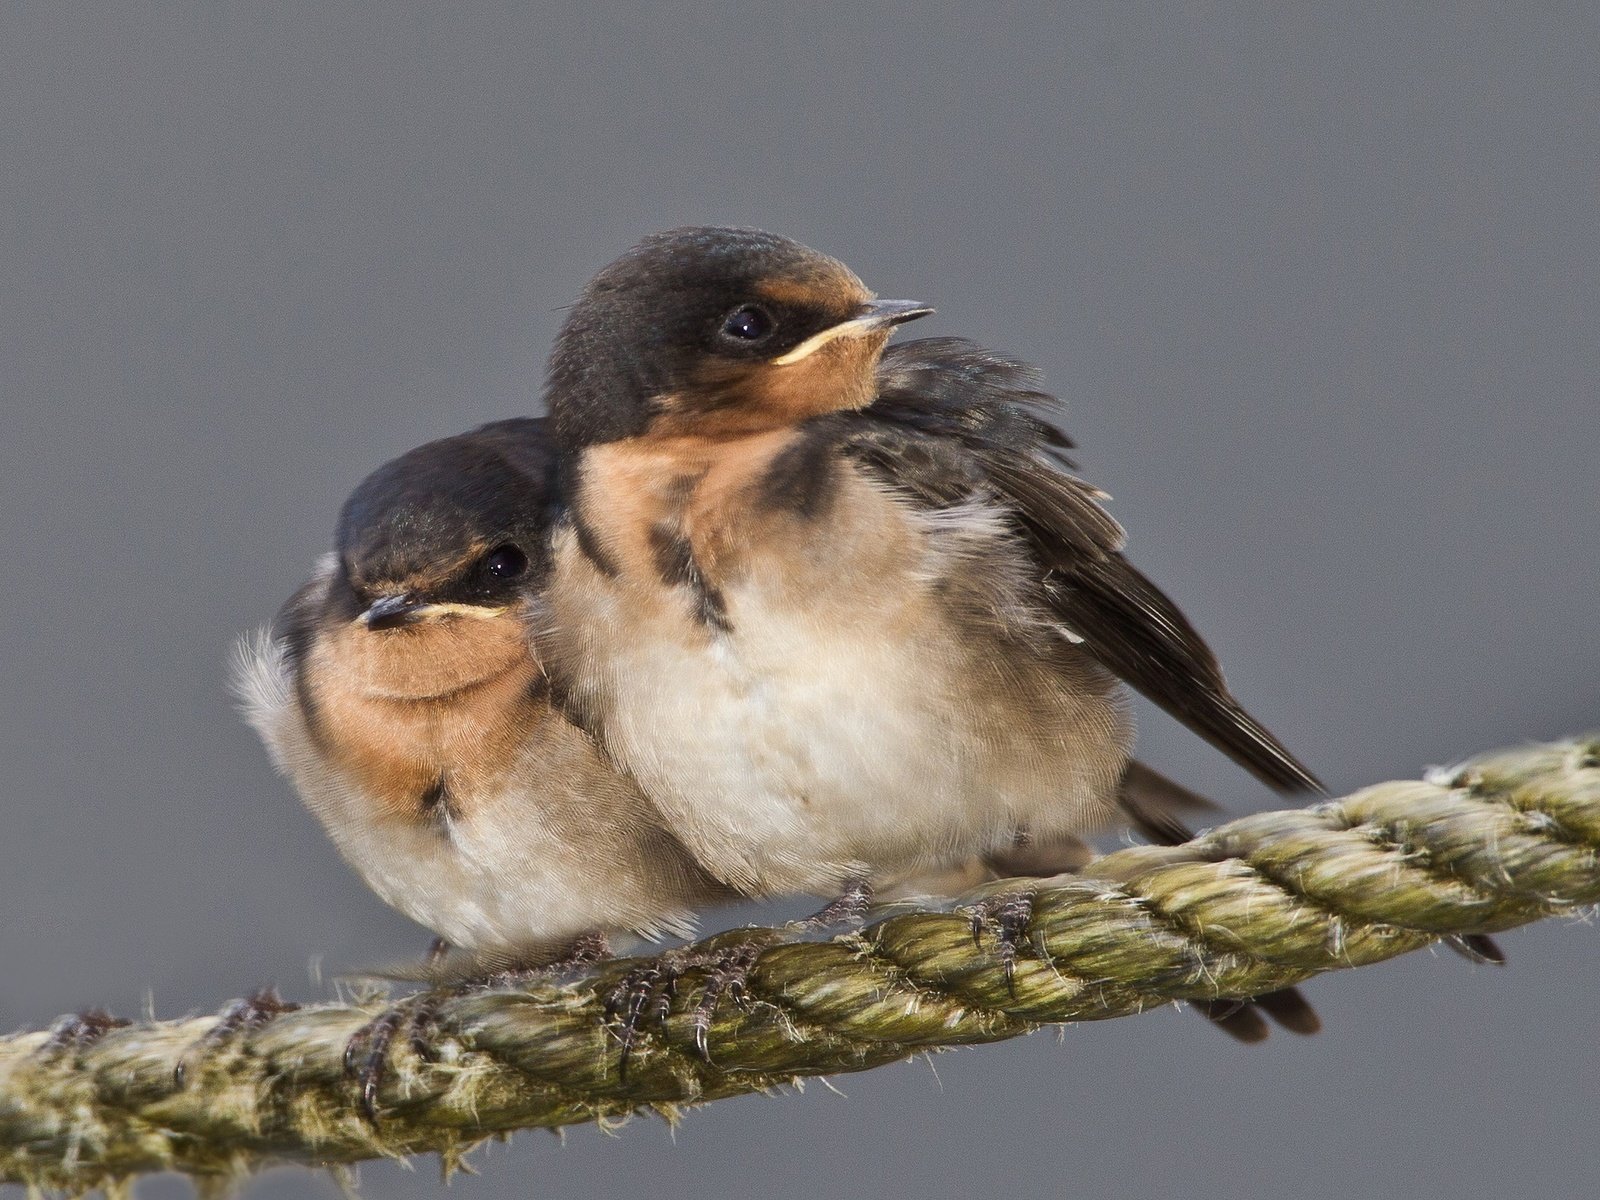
x,y
885,696
563,846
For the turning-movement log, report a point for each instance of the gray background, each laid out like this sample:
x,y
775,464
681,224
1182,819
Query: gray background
x,y
1320,286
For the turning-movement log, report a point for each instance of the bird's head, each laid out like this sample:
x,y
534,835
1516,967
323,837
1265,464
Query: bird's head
x,y
712,330
437,555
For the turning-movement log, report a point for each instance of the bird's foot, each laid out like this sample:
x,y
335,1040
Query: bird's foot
x,y
254,1011
727,974
1005,915
585,950
849,908
367,1053
77,1030
643,998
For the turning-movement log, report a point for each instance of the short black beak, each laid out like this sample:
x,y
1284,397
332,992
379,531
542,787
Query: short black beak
x,y
392,612
873,316
884,313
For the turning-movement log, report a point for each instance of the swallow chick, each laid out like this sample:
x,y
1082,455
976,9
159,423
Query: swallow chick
x,y
844,613
400,693
844,616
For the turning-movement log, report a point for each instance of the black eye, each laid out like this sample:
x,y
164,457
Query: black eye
x,y
748,324
505,562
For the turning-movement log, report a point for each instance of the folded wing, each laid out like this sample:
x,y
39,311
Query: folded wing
x,y
952,420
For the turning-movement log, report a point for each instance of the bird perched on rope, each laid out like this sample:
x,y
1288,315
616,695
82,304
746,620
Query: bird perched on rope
x,y
846,615
401,694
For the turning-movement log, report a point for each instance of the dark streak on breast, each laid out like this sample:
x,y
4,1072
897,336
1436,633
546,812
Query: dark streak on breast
x,y
804,477
591,548
675,562
436,804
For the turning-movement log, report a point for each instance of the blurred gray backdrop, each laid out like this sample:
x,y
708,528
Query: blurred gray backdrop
x,y
1319,282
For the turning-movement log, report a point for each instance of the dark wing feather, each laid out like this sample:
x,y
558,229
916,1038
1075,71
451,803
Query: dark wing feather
x,y
1136,631
952,419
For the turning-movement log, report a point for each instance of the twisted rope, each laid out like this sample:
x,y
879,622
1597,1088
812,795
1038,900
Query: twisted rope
x,y
1257,904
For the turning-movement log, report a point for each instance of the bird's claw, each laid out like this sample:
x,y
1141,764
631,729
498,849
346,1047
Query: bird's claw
x,y
850,907
366,1054
80,1029
254,1011
642,999
1005,915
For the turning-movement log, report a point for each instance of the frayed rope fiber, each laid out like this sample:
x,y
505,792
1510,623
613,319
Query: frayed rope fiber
x,y
1254,905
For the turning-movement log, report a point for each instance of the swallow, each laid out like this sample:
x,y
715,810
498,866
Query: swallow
x,y
845,614
400,692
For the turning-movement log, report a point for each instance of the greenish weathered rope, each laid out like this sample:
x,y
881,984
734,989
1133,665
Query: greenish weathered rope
x,y
1256,904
